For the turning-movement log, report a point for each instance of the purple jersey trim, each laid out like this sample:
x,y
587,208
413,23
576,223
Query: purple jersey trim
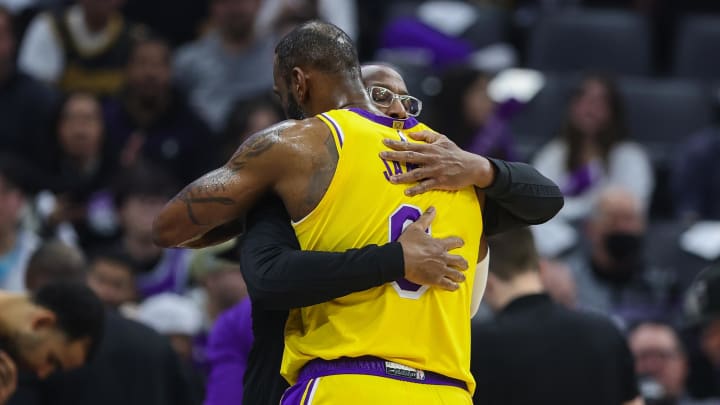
x,y
371,366
387,121
337,129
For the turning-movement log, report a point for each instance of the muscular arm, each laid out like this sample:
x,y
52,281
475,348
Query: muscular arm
x,y
210,209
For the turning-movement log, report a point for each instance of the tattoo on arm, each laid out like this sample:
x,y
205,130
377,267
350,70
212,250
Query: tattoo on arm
x,y
211,188
202,194
253,147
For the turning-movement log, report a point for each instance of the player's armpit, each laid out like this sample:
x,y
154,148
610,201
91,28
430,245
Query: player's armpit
x,y
225,194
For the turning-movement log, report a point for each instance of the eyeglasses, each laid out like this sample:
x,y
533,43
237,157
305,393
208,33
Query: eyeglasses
x,y
384,98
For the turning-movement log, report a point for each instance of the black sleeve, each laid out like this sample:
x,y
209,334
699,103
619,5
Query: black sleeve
x,y
628,377
281,276
519,196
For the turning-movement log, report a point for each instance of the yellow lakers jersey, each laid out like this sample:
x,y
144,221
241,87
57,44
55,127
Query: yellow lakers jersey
x,y
417,326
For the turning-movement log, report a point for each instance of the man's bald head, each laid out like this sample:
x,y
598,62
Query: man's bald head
x,y
379,74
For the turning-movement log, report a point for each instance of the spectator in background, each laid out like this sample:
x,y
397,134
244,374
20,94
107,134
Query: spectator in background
x,y
661,364
696,177
585,352
612,273
16,242
78,166
702,311
229,63
482,126
174,316
25,104
592,150
132,365
151,119
54,261
112,276
246,118
57,327
188,17
83,47
216,270
276,16
227,309
141,192
558,281
179,319
228,351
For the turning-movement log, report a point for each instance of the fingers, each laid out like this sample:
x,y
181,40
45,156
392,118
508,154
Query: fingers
x,y
426,218
425,136
405,146
447,284
416,157
422,187
454,275
456,261
452,242
413,176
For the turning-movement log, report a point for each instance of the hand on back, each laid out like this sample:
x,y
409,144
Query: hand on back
x,y
427,260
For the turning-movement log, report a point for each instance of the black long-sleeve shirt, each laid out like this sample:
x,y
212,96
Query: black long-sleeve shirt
x,y
280,276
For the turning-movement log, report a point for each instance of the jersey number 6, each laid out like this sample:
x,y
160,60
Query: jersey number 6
x,y
398,221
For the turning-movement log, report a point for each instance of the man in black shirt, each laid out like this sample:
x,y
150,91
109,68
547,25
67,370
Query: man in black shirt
x,y
132,363
537,352
280,276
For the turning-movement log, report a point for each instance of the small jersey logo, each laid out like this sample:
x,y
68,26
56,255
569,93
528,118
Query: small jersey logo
x,y
399,370
398,124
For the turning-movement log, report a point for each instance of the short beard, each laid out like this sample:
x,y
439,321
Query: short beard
x,y
293,110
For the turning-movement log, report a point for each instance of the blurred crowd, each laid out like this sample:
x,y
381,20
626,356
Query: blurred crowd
x,y
108,107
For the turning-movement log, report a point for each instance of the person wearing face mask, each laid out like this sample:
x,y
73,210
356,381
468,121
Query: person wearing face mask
x,y
612,272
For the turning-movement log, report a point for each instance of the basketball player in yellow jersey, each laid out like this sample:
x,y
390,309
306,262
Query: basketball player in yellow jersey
x,y
397,324
316,70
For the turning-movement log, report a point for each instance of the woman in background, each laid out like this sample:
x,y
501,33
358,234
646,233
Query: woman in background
x,y
592,150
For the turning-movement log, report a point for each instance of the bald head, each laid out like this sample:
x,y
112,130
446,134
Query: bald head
x,y
619,209
386,76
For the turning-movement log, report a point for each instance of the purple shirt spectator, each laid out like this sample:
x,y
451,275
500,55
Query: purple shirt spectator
x,y
227,353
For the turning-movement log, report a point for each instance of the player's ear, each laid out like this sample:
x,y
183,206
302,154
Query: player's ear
x,y
299,84
42,318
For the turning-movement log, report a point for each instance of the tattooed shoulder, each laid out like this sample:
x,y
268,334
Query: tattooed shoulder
x,y
256,145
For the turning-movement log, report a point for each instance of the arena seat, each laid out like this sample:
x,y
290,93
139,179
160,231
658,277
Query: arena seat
x,y
696,49
613,41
